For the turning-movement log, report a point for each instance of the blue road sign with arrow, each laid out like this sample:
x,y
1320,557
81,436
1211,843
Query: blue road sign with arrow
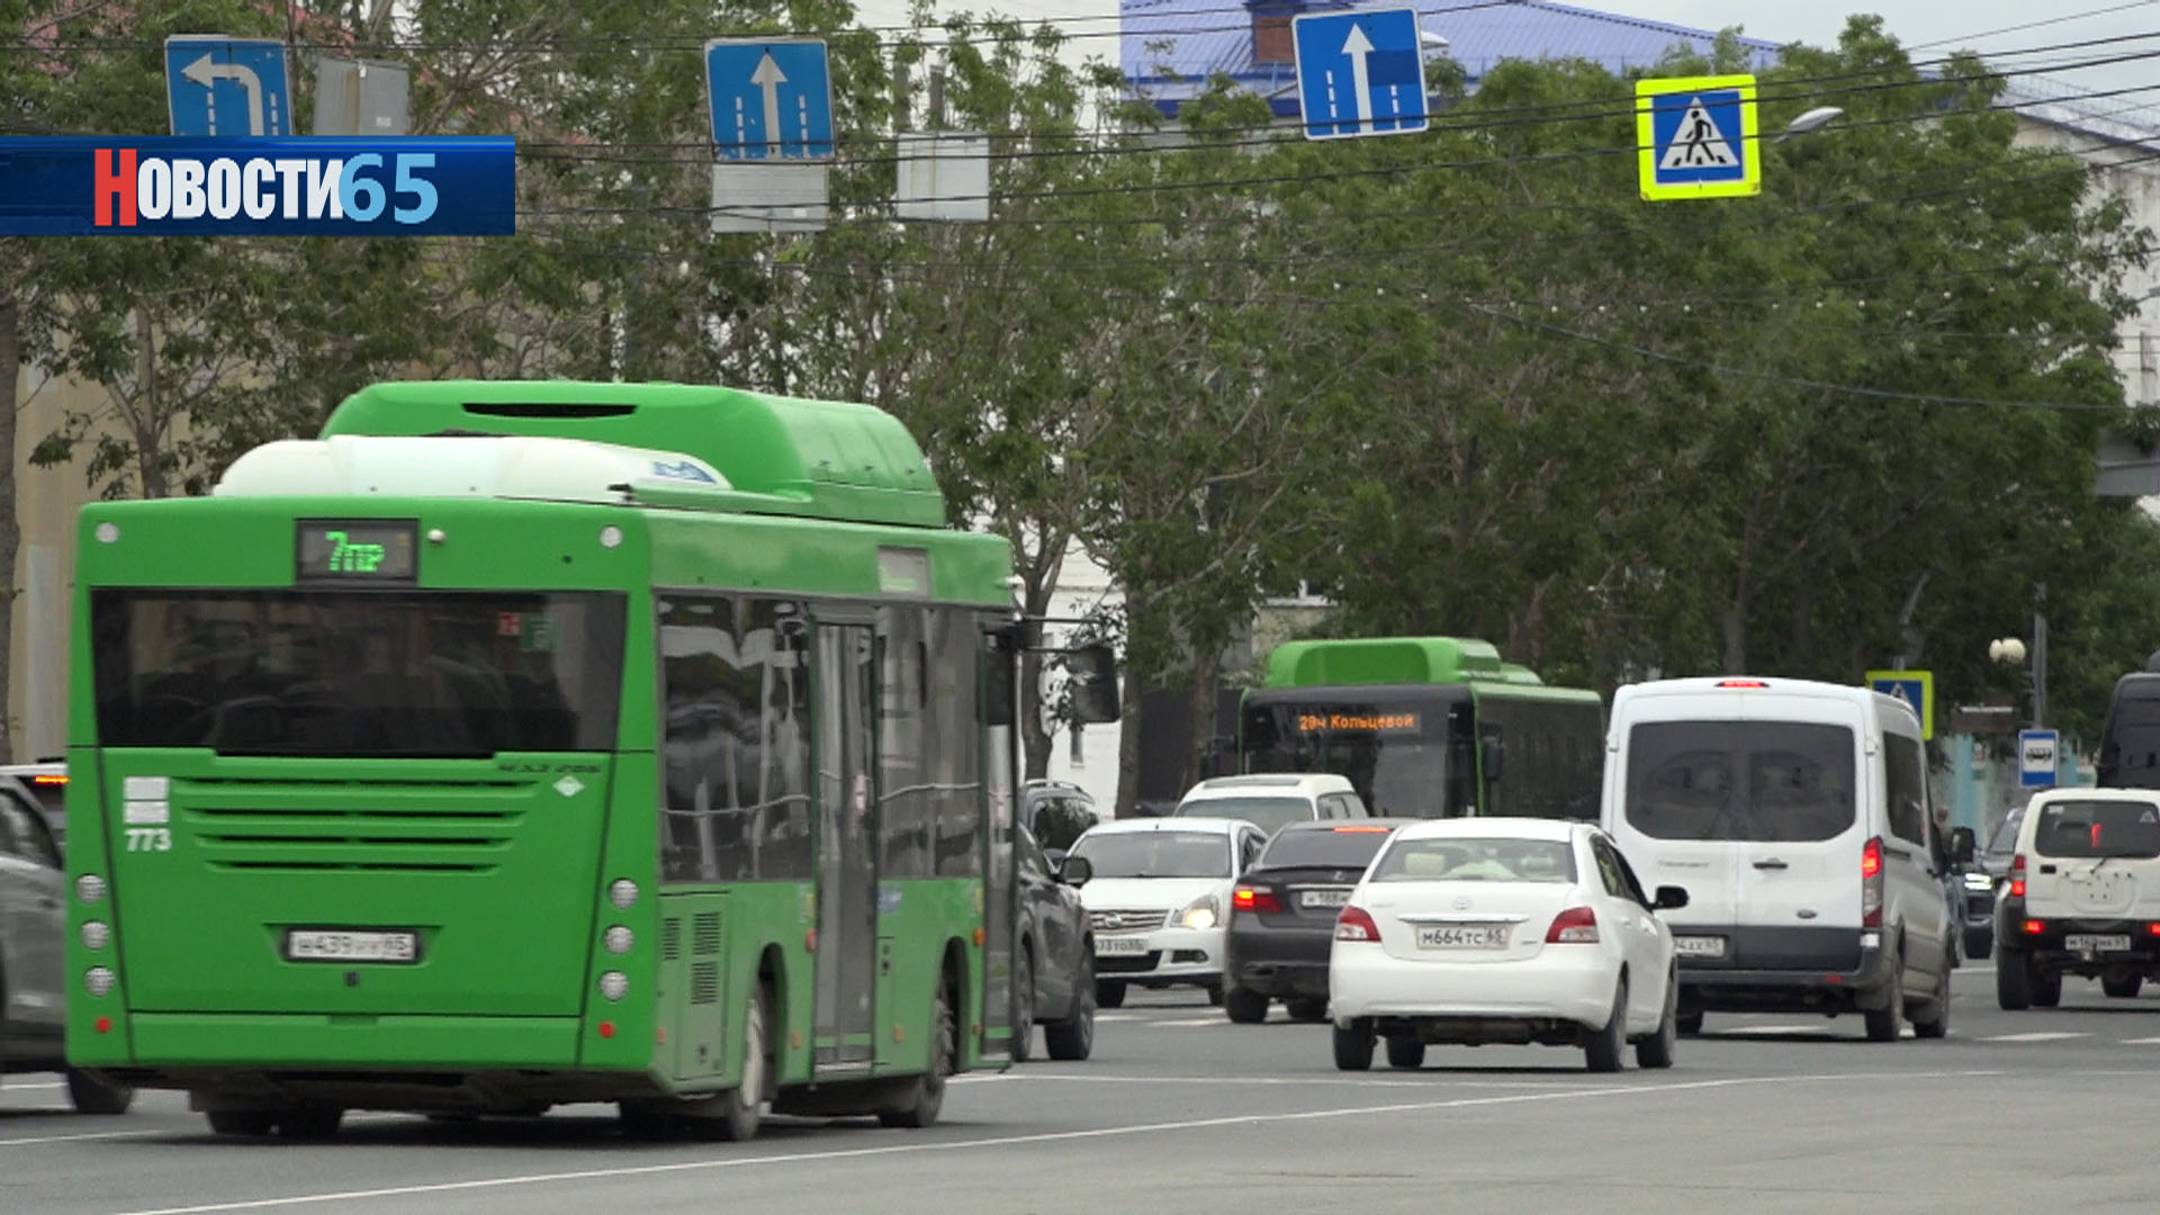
x,y
771,98
223,88
1360,73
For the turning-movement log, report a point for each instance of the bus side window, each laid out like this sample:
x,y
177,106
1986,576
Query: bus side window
x,y
907,813
955,674
735,742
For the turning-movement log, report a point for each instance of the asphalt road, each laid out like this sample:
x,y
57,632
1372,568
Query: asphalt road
x,y
1180,1111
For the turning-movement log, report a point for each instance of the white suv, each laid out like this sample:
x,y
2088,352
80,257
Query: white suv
x,y
2083,896
1273,802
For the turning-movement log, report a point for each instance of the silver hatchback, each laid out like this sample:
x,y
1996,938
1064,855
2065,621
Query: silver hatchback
x,y
33,953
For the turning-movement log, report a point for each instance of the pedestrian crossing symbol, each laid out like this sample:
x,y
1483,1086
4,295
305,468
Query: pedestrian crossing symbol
x,y
1915,688
1696,137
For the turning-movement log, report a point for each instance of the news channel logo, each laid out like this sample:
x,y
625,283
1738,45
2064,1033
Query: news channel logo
x,y
165,186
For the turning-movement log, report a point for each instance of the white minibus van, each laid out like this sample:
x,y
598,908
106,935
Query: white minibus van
x,y
1796,815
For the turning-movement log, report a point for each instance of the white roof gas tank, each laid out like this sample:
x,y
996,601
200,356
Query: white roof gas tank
x,y
487,466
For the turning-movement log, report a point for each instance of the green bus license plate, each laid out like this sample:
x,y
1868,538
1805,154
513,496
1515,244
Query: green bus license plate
x,y
315,945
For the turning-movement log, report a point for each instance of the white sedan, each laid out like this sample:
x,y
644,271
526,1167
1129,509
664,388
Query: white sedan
x,y
1158,897
1478,930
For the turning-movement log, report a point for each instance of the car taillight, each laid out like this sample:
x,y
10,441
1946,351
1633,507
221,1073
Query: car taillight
x,y
2017,876
1254,898
2034,928
1871,883
1575,926
1354,923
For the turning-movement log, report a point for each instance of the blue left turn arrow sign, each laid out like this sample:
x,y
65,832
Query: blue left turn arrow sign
x,y
221,88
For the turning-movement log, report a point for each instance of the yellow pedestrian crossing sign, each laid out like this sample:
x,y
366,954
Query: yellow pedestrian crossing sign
x,y
1915,688
1697,137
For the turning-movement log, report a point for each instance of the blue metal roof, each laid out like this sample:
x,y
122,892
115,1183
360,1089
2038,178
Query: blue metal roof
x,y
1170,48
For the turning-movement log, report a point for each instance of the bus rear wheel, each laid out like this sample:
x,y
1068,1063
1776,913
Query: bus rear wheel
x,y
91,1095
926,1096
734,1116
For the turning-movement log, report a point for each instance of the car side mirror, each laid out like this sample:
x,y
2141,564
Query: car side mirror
x,y
1494,758
1094,684
1669,898
1076,871
1962,845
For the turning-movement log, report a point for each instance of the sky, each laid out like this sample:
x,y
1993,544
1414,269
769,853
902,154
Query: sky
x,y
1953,23
1815,21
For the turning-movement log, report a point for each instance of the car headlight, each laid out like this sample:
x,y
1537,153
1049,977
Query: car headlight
x,y
1203,912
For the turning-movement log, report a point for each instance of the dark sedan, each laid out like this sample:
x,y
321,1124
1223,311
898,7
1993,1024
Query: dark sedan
x,y
1282,915
1055,975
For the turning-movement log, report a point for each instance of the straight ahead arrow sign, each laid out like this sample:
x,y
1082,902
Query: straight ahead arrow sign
x,y
769,78
1357,46
207,72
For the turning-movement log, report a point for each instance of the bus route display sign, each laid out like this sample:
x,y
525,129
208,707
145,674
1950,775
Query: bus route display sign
x,y
163,186
1365,723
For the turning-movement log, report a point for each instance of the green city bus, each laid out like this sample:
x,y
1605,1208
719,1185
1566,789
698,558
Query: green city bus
x,y
1427,727
518,744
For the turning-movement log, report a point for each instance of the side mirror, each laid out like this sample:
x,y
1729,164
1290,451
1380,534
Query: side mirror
x,y
1094,684
1000,678
1669,898
1076,871
1962,846
1494,760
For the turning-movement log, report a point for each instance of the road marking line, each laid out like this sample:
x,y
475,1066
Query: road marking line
x,y
1108,1132
163,1130
2141,1041
2041,1036
1295,1082
1766,1030
16,1088
1102,1017
1196,1021
166,1130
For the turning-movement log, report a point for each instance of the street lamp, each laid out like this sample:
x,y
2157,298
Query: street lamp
x,y
1814,120
2011,652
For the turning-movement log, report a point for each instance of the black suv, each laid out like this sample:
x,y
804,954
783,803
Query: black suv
x,y
1056,813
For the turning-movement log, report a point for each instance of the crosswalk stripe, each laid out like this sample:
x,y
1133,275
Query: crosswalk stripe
x,y
2042,1036
1196,1021
1101,1017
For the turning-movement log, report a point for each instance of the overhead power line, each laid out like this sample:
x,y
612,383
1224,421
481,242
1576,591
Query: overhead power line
x,y
2066,19
1405,169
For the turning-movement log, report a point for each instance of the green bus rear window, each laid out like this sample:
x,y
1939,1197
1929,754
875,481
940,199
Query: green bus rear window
x,y
451,674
